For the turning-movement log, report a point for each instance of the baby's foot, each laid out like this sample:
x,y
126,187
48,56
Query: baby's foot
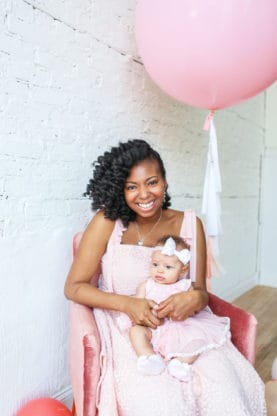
x,y
179,370
150,365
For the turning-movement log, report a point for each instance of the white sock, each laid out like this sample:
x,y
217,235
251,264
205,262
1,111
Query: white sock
x,y
150,364
179,370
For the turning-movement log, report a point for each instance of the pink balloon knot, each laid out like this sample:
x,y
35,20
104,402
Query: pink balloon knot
x,y
207,123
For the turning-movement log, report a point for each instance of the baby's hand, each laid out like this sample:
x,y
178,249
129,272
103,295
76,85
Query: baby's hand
x,y
154,309
142,312
178,306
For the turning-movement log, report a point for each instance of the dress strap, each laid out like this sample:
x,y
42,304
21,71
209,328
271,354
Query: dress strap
x,y
117,233
188,233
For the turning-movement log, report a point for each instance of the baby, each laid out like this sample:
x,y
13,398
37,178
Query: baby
x,y
174,344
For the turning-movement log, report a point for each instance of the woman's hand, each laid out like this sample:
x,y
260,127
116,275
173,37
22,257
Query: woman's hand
x,y
182,305
142,312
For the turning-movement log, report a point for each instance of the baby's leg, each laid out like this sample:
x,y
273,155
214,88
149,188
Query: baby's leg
x,y
148,363
180,367
141,340
188,360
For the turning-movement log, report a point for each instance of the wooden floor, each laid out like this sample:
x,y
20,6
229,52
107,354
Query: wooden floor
x,y
262,302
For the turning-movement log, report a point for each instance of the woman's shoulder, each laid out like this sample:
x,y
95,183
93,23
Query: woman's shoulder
x,y
177,213
100,219
172,214
180,216
100,226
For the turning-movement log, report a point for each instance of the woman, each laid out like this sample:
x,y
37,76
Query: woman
x,y
129,188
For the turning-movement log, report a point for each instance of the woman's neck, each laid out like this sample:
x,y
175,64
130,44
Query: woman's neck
x,y
141,221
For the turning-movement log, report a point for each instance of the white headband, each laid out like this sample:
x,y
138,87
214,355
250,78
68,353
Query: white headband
x,y
170,250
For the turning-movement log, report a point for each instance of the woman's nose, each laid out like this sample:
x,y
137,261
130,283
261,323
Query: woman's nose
x,y
143,194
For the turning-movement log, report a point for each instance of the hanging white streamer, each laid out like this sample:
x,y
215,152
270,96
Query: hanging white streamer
x,y
211,207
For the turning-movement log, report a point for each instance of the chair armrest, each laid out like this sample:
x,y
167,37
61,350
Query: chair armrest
x,y
84,356
243,326
84,350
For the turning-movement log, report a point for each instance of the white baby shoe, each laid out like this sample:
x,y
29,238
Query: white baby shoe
x,y
179,370
150,365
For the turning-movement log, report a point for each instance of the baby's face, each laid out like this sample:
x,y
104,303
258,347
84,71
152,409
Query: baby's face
x,y
165,269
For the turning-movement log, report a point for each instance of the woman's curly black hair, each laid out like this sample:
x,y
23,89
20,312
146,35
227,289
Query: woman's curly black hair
x,y
106,188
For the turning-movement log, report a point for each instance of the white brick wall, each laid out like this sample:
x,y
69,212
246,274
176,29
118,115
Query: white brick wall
x,y
67,93
268,235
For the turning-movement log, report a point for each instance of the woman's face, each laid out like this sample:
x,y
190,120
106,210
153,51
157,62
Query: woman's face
x,y
144,188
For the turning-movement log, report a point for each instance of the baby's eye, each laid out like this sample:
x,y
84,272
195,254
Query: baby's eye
x,y
169,267
155,264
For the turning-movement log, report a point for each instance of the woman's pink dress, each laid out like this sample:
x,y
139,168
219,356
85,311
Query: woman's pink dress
x,y
200,333
223,382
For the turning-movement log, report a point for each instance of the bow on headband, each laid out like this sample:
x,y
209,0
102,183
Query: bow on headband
x,y
170,250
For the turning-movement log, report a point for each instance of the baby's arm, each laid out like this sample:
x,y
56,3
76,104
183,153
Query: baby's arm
x,y
141,290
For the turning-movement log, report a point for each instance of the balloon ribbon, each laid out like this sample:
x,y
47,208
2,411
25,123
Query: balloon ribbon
x,y
211,206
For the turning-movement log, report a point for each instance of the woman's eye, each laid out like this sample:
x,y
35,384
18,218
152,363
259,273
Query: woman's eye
x,y
153,182
130,187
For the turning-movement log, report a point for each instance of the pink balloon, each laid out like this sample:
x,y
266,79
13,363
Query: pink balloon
x,y
209,53
44,407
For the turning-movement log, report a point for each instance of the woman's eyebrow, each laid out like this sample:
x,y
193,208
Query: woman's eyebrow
x,y
152,177
147,179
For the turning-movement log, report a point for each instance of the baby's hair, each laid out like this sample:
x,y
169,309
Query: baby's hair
x,y
180,243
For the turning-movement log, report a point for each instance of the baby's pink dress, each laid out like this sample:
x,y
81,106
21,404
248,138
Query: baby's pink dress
x,y
223,382
192,336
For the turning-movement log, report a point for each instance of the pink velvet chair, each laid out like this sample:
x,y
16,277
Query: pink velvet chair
x,y
85,345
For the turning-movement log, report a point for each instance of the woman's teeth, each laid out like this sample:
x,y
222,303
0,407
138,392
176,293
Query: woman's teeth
x,y
146,206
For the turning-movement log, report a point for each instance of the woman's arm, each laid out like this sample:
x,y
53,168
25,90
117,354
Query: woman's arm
x,y
91,249
78,287
185,304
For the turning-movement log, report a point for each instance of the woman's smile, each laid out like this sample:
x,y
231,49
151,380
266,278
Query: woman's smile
x,y
146,205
